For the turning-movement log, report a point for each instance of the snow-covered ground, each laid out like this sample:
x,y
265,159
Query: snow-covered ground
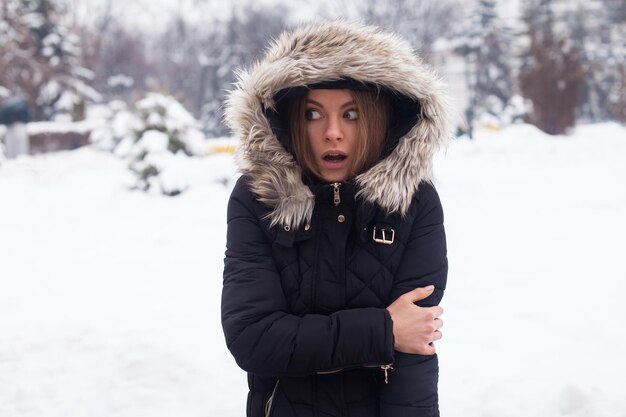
x,y
109,298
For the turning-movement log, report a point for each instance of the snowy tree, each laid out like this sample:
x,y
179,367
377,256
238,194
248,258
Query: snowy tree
x,y
196,61
486,45
180,63
230,45
420,22
598,29
39,57
120,124
164,136
118,55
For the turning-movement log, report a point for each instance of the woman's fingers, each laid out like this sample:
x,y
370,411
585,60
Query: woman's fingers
x,y
419,293
436,311
436,336
427,350
415,328
438,324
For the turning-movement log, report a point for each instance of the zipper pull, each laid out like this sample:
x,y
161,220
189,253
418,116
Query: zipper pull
x,y
386,368
336,196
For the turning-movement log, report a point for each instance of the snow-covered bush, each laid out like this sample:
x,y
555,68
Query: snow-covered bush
x,y
160,139
120,123
167,134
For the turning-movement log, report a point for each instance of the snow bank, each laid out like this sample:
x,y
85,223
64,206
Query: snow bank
x,y
536,230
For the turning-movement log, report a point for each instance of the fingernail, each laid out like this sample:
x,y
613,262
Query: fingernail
x,y
430,287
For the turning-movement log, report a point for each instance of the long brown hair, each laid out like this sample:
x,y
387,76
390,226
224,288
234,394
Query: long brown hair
x,y
373,107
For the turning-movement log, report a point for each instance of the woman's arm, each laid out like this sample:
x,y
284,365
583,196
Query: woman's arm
x,y
260,333
412,387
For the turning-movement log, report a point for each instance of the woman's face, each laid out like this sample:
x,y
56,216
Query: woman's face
x,y
332,129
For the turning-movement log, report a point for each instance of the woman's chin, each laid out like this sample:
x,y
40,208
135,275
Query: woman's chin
x,y
334,175
334,171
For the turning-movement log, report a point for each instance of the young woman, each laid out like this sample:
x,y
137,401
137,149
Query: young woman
x,y
336,254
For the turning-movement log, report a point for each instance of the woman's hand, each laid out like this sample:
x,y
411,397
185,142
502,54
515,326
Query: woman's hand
x,y
414,327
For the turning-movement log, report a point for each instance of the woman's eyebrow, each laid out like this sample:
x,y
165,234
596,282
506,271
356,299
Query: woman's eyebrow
x,y
346,104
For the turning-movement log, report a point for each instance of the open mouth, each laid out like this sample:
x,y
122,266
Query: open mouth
x,y
334,157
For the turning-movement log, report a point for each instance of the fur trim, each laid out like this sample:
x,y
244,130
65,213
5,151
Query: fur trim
x,y
327,52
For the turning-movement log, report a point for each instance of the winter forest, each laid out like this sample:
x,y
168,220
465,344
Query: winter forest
x,y
116,168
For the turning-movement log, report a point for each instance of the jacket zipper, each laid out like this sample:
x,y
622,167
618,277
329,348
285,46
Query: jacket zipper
x,y
270,401
384,368
336,195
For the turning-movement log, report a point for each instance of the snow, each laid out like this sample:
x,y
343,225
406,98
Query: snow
x,y
109,298
4,93
84,126
151,141
33,20
161,111
536,233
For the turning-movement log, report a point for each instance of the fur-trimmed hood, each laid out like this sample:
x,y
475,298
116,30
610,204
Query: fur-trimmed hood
x,y
329,52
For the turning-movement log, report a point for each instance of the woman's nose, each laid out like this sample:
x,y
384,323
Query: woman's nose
x,y
333,130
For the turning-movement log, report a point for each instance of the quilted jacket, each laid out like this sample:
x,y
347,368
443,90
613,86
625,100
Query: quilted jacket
x,y
310,267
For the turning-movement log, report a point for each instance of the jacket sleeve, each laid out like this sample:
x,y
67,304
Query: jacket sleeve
x,y
261,334
412,387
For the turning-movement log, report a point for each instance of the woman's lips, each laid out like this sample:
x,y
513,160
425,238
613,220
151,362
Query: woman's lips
x,y
334,157
334,160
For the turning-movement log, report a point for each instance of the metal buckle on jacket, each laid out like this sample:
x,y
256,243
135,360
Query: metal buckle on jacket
x,y
382,236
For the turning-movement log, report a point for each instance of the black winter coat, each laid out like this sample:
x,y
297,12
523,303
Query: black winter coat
x,y
311,267
308,307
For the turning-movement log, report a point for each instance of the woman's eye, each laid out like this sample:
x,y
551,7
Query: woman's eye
x,y
312,114
351,114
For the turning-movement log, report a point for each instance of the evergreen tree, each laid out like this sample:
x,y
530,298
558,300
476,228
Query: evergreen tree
x,y
234,44
420,22
39,57
598,29
118,56
539,15
486,45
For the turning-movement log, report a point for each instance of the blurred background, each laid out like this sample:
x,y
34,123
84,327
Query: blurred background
x,y
547,62
115,171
